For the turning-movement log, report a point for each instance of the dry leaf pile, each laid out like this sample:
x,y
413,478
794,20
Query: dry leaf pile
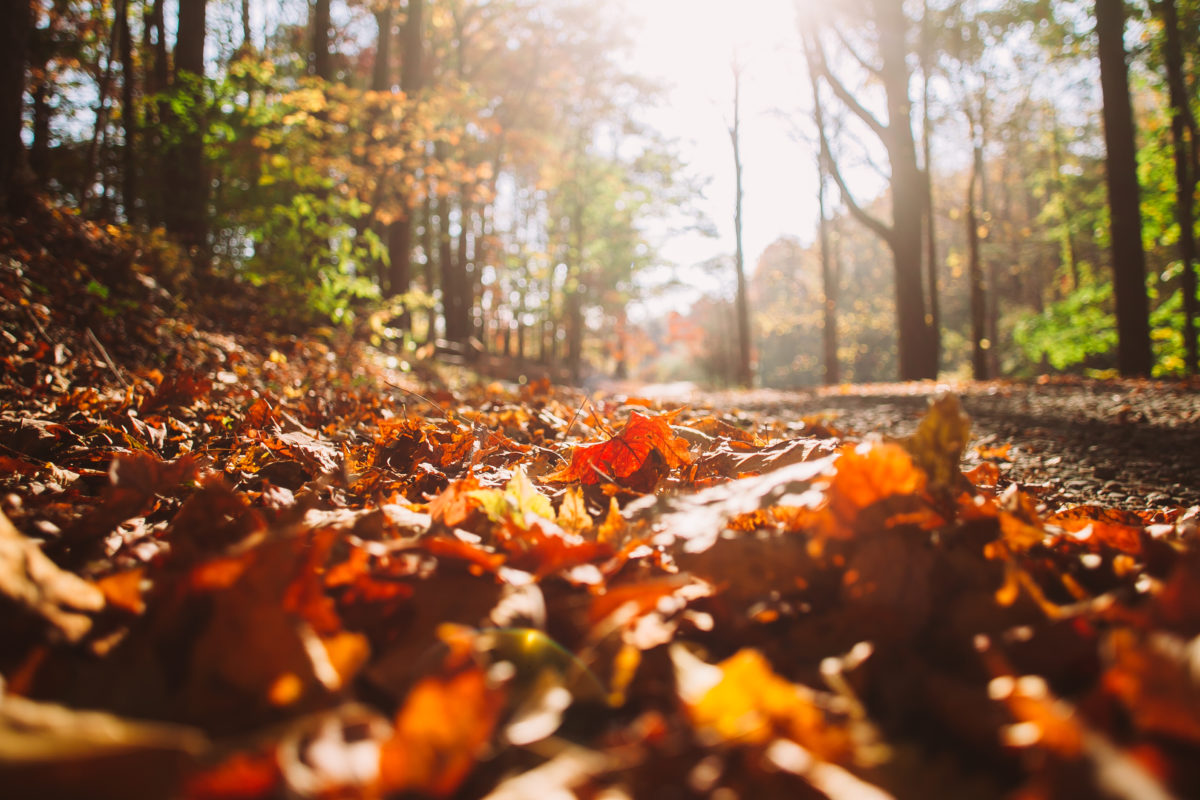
x,y
264,574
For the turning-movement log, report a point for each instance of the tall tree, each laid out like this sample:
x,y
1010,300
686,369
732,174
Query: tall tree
x,y
186,181
917,338
1129,260
979,341
400,231
926,56
745,368
320,52
1184,142
129,170
15,43
829,283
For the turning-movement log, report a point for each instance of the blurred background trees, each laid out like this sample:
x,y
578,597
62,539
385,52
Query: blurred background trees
x,y
480,171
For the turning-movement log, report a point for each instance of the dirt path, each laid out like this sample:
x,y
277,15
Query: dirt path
x,y
1124,444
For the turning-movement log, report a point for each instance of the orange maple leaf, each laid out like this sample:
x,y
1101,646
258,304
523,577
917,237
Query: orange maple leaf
x,y
625,454
441,732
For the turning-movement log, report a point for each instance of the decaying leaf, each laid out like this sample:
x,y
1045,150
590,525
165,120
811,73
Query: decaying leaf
x,y
37,585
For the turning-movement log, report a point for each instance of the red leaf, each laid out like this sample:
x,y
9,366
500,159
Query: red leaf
x,y
625,454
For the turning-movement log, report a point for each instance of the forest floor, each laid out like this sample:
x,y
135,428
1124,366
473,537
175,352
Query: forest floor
x,y
238,561
1120,443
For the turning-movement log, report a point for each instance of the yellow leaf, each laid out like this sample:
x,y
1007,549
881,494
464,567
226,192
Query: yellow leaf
x,y
519,499
743,700
572,515
613,527
939,441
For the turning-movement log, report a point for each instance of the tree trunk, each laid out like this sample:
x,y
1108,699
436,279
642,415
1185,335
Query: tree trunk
x,y
829,288
930,249
321,56
979,355
1134,356
100,129
157,79
745,368
917,338
400,257
15,41
464,272
381,72
1067,242
129,176
411,72
247,41
1183,136
185,187
449,274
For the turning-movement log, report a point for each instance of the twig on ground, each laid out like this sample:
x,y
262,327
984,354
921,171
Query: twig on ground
x,y
107,360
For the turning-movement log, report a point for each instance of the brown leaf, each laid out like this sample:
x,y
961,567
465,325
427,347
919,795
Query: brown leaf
x,y
36,584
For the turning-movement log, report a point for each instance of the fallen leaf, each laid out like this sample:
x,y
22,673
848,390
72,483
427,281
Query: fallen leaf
x,y
939,441
36,584
623,455
742,700
440,733
516,504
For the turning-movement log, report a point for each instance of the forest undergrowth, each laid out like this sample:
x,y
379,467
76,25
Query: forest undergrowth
x,y
242,562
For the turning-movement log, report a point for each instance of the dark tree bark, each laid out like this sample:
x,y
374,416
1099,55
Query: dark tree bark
x,y
745,368
1134,356
44,43
917,338
247,40
411,83
412,74
1183,139
320,63
156,33
185,187
129,171
15,44
157,80
100,129
381,72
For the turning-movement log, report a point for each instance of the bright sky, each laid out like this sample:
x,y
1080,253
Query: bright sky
x,y
688,45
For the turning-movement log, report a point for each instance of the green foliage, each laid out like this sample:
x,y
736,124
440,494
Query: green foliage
x,y
1076,333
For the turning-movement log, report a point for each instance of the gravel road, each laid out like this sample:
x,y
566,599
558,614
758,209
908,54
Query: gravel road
x,y
1121,444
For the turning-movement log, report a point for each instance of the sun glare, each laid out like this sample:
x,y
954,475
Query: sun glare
x,y
690,45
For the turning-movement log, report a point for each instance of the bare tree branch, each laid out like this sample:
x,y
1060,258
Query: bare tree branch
x,y
875,225
858,58
813,53
841,92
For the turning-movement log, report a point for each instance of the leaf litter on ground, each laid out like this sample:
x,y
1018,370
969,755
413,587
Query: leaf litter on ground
x,y
259,571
